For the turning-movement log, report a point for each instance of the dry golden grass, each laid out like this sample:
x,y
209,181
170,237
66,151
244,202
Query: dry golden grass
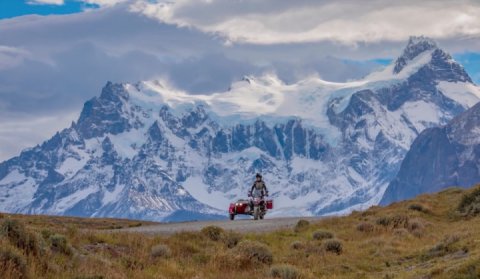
x,y
423,238
63,223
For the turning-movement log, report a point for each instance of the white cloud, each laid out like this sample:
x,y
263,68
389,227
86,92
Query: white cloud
x,y
105,3
11,56
347,21
20,131
46,2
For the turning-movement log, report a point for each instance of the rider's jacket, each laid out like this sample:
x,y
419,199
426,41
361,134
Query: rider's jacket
x,y
259,189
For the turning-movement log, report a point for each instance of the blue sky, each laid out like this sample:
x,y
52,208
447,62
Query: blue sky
x,y
13,8
471,63
50,65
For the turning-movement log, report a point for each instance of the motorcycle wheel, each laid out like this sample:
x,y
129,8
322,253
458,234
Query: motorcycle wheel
x,y
256,213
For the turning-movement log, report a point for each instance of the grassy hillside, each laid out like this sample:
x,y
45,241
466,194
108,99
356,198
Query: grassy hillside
x,y
433,236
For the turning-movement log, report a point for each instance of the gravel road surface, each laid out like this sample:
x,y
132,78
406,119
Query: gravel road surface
x,y
240,225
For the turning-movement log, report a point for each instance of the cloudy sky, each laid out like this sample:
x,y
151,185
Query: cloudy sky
x,y
56,54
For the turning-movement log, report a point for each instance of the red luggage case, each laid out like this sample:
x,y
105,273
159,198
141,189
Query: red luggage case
x,y
269,204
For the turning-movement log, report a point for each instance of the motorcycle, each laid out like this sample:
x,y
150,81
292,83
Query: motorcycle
x,y
259,209
255,206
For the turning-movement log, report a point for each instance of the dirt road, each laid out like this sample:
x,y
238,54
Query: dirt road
x,y
237,225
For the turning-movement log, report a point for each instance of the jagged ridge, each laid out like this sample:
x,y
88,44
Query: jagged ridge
x,y
148,151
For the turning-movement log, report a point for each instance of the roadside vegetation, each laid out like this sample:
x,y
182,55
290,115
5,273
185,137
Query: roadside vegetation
x,y
432,236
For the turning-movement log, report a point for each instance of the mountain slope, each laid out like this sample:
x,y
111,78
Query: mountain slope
x,y
149,151
440,157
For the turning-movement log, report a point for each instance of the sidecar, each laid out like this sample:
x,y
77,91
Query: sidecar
x,y
242,207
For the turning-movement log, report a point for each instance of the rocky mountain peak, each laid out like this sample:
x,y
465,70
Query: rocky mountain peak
x,y
149,151
430,63
415,47
113,92
104,114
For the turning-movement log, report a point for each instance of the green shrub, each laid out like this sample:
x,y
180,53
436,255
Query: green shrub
x,y
417,207
383,221
301,225
58,243
297,245
416,227
334,246
160,251
46,234
231,239
446,246
135,225
470,203
399,221
321,235
12,265
396,221
19,237
213,232
254,252
284,271
365,227
117,227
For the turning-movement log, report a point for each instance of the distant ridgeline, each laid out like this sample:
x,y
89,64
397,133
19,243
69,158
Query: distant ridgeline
x,y
148,151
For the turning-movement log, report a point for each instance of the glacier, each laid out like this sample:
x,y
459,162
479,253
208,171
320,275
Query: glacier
x,y
149,151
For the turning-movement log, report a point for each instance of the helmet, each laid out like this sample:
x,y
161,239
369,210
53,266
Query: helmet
x,y
258,175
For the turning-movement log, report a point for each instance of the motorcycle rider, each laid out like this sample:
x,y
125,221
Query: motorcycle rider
x,y
259,189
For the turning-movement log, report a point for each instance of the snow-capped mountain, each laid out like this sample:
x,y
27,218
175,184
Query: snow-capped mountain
x,y
149,151
440,157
